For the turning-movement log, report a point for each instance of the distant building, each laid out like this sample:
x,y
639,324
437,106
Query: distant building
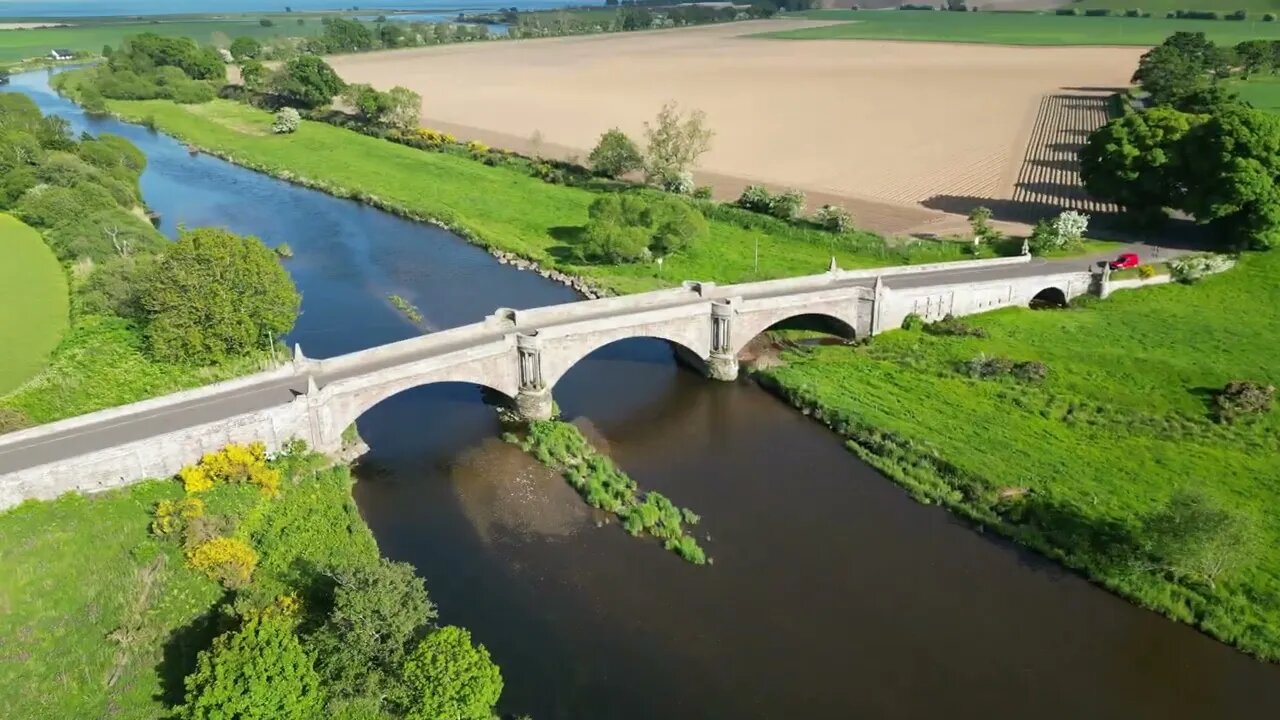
x,y
61,54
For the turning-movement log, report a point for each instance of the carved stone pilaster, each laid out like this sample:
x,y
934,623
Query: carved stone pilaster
x,y
722,364
533,401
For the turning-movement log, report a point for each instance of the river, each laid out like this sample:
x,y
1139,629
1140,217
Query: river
x,y
832,594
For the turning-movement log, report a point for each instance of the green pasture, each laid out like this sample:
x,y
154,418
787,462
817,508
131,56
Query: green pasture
x,y
33,302
1019,28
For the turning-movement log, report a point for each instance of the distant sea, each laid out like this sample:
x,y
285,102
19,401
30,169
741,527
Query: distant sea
x,y
87,8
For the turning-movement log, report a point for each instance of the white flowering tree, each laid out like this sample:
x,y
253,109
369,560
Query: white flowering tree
x,y
287,121
1069,228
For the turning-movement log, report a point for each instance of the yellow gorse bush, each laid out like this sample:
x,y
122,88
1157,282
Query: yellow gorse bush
x,y
228,560
172,516
234,463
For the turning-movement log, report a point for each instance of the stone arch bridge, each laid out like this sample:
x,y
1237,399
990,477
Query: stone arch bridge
x,y
521,354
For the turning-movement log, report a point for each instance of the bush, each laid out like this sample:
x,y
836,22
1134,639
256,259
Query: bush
x,y
1097,12
630,227
1032,371
615,155
287,121
105,235
834,218
1269,17
171,516
676,225
955,327
702,192
1134,13
1146,272
1192,268
258,671
1242,397
307,82
1239,15
1067,11
230,561
787,204
755,198
679,183
46,206
912,322
987,367
446,676
1192,537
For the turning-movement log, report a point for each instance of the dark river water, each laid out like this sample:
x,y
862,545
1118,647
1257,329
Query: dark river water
x,y
832,595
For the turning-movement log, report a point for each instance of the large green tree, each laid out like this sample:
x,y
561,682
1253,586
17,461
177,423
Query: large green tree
x,y
1231,171
449,677
615,155
245,48
1130,161
259,672
215,295
307,82
378,612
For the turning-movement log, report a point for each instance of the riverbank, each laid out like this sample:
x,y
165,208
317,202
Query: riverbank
x,y
1079,464
118,629
492,206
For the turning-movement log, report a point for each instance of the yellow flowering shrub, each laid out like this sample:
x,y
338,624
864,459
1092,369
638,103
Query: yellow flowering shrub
x,y
228,560
234,463
477,147
267,479
195,479
172,516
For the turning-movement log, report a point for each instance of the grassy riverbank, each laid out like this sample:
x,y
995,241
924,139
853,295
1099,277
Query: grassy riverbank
x,y
102,618
1075,465
1020,28
504,209
33,302
562,447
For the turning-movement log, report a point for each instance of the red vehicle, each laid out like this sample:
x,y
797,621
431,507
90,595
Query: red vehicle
x,y
1125,261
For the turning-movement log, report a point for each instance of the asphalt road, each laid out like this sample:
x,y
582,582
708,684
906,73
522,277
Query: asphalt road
x,y
272,392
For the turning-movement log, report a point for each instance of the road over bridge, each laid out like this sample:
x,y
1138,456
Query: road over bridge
x,y
518,353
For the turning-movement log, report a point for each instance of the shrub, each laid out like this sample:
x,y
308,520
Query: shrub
x,y
1031,371
258,671
702,192
195,479
680,183
230,561
1069,228
1146,271
46,206
787,204
676,225
984,367
1097,12
171,516
1191,268
980,223
629,227
615,155
1242,397
1133,13
1269,17
755,198
1239,15
610,242
446,676
955,327
11,420
1192,537
834,218
912,322
1067,11
287,121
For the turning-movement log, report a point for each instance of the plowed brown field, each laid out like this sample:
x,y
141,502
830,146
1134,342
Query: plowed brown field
x,y
906,125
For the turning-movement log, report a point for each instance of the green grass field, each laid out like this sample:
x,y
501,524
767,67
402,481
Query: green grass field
x,y
98,618
1159,7
1019,28
499,207
1121,421
33,303
1261,91
93,35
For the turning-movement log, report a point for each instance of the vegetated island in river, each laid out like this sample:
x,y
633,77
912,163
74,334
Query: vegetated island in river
x,y
562,447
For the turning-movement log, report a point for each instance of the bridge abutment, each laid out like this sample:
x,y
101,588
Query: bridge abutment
x,y
722,367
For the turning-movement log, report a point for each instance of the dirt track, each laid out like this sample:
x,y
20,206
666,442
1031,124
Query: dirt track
x,y
892,125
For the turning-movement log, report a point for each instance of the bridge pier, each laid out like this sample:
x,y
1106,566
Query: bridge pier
x,y
722,367
535,405
722,363
533,401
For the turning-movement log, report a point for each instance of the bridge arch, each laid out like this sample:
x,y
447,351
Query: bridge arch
x,y
836,323
1051,296
691,350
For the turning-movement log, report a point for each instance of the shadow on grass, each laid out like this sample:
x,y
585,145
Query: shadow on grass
x,y
182,647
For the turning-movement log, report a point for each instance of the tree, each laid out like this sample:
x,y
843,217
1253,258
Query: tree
x,y
307,81
258,672
449,677
404,110
1254,56
378,612
1131,161
980,222
215,295
1230,165
246,48
615,155
675,142
675,225
368,103
251,74
1191,536
342,35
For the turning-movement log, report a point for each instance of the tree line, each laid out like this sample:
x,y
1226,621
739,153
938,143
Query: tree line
x,y
1195,147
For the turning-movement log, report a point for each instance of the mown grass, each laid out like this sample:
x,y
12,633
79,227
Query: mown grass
x,y
98,618
504,209
1260,91
1160,7
33,302
1122,421
1020,28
